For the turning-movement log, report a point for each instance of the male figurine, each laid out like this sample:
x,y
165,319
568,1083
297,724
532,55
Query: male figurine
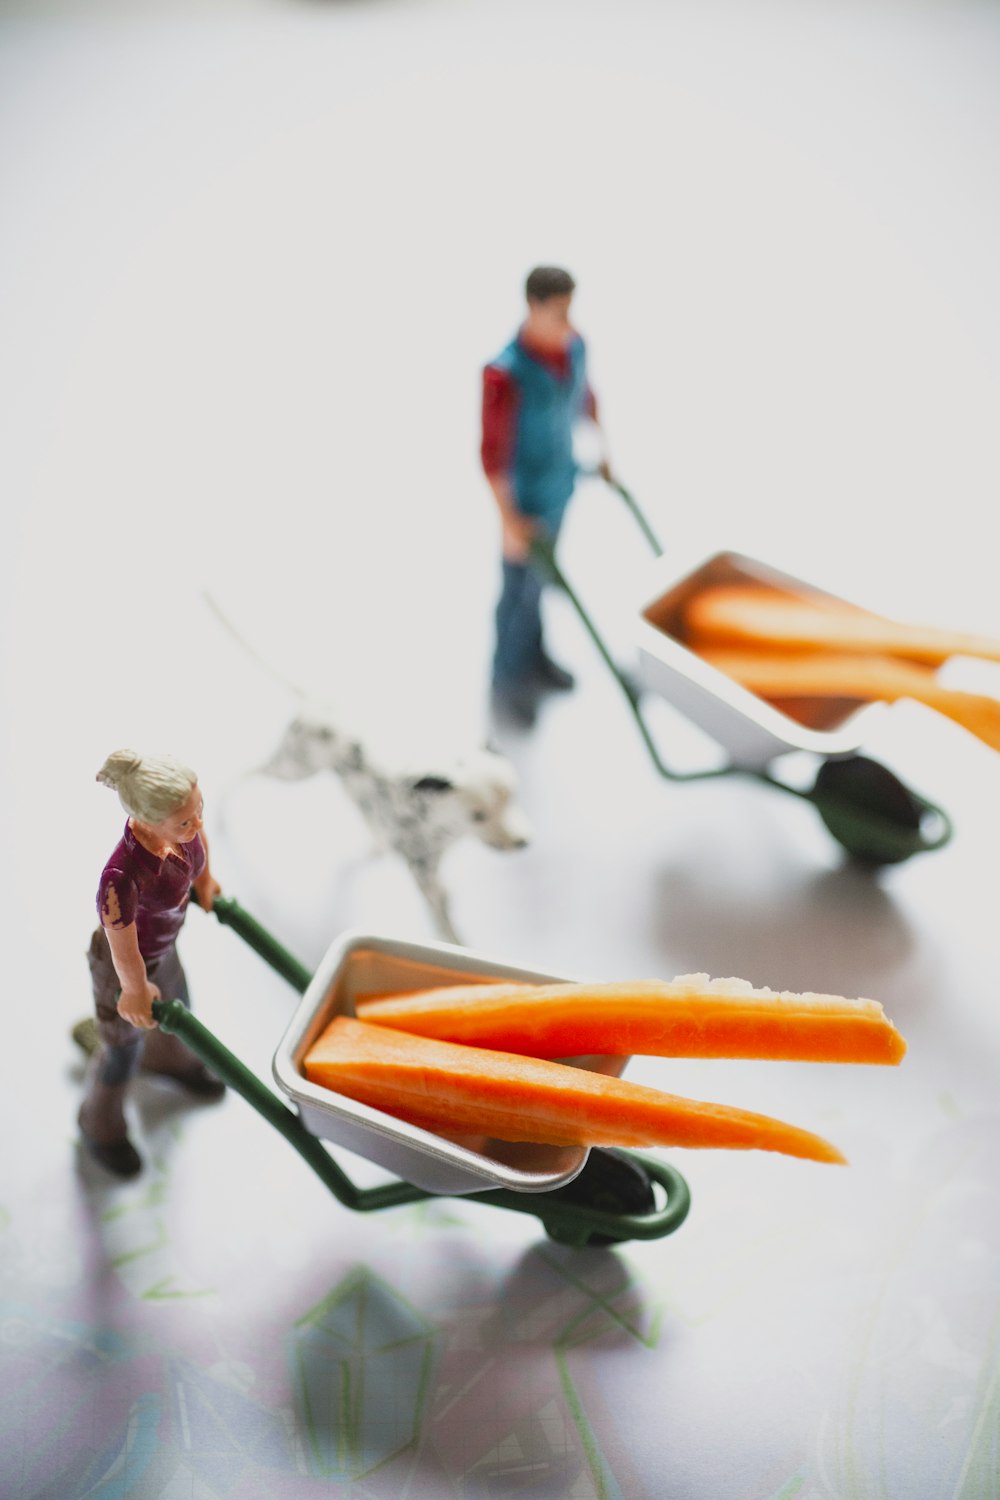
x,y
534,393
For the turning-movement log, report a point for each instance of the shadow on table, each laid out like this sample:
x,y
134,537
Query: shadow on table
x,y
838,931
481,1396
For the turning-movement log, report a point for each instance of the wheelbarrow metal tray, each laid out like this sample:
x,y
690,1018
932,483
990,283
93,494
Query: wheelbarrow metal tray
x,y
750,729
360,964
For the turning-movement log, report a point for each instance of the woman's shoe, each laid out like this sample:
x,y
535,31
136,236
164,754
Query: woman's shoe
x,y
119,1157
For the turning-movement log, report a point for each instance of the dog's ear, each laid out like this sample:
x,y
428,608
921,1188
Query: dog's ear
x,y
433,784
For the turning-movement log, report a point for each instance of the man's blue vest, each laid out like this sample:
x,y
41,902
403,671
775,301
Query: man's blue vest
x,y
548,410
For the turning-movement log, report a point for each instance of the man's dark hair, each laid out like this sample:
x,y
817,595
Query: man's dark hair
x,y
548,281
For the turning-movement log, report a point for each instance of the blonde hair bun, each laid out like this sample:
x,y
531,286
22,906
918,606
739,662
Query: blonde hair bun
x,y
149,787
119,764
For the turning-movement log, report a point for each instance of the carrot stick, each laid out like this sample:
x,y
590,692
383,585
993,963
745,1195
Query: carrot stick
x,y
692,1016
816,674
764,617
449,1087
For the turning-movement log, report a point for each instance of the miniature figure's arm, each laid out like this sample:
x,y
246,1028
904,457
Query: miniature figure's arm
x,y
205,886
517,529
500,398
138,992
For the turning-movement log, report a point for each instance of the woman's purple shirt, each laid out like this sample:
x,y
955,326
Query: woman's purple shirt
x,y
153,893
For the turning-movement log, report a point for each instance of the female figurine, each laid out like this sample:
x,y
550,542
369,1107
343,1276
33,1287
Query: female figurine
x,y
141,901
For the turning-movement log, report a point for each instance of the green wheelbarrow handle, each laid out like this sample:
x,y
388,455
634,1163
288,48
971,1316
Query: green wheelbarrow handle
x,y
231,914
638,514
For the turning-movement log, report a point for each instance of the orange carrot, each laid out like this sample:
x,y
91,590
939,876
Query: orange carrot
x,y
817,674
448,1087
692,1016
732,615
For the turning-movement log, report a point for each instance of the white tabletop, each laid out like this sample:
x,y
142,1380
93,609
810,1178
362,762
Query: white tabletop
x,y
253,259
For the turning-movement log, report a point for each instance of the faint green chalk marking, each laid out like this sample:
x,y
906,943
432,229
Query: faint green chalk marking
x,y
161,1291
351,1324
573,1336
153,1197
129,1255
788,1490
604,1481
597,1301
979,1478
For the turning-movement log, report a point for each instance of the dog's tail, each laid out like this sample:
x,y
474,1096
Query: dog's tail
x,y
251,651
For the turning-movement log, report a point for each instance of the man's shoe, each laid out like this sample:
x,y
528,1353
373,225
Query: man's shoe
x,y
119,1157
551,675
516,702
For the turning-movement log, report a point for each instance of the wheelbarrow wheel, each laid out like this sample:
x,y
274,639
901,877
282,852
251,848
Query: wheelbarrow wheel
x,y
611,1181
869,811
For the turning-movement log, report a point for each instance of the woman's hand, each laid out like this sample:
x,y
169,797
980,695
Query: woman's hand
x,y
136,1005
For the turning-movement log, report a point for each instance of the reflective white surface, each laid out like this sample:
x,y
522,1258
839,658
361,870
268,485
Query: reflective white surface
x,y
252,259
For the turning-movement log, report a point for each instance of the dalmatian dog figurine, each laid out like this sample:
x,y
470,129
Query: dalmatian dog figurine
x,y
419,815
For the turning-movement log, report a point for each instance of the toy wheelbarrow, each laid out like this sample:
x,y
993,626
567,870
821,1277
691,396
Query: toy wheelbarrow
x,y
866,808
595,1197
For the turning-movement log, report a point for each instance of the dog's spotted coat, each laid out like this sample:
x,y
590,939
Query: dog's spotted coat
x,y
418,815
